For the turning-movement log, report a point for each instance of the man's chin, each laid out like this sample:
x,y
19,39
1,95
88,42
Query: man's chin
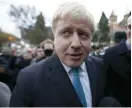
x,y
74,64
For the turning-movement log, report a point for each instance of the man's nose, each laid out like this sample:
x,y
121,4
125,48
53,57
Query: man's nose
x,y
76,42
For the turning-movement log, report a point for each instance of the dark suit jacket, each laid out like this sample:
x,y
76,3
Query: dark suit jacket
x,y
46,84
117,62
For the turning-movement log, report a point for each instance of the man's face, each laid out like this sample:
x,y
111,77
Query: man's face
x,y
72,41
129,29
27,56
48,49
40,53
48,46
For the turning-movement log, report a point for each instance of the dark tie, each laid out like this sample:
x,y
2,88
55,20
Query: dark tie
x,y
78,86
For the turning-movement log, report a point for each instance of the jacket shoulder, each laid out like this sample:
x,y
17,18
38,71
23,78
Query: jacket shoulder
x,y
116,49
5,95
37,67
112,49
27,82
95,59
30,74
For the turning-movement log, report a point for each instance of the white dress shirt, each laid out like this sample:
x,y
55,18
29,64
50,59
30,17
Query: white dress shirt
x,y
83,74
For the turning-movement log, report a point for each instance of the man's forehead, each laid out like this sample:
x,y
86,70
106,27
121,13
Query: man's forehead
x,y
48,45
73,22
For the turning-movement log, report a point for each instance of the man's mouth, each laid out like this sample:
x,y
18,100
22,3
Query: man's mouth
x,y
79,54
75,56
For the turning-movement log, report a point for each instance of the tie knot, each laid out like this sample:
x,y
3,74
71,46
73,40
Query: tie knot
x,y
75,71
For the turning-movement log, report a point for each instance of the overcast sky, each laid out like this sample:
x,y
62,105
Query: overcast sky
x,y
49,6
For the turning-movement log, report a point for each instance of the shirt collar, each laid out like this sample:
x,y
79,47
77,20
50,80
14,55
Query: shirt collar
x,y
128,45
67,68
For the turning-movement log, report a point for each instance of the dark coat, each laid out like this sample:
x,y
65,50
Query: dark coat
x,y
117,62
5,72
19,64
46,84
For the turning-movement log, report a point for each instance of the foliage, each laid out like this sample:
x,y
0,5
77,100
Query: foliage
x,y
96,36
31,25
40,32
24,18
103,29
101,34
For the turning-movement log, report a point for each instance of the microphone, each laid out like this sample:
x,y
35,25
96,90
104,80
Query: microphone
x,y
109,102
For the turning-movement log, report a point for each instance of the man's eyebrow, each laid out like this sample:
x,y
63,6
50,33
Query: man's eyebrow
x,y
65,28
86,30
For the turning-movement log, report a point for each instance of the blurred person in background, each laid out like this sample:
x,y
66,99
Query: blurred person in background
x,y
34,52
13,59
117,61
24,60
40,55
45,49
48,47
21,62
97,51
5,71
119,36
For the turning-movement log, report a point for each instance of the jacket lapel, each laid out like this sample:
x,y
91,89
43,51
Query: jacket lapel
x,y
91,69
60,78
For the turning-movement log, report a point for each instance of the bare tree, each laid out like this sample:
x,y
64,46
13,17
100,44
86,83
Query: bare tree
x,y
24,17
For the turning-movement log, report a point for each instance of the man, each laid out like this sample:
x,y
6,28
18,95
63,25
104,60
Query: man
x,y
5,95
24,60
20,63
69,78
40,55
117,62
48,47
5,72
119,36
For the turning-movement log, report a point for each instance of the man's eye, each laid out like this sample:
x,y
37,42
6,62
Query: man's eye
x,y
83,35
65,32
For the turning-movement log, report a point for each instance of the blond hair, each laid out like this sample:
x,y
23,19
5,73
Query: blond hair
x,y
46,41
76,11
